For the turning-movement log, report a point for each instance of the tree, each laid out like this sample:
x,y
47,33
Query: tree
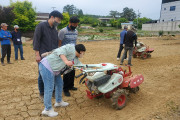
x,y
121,20
114,14
6,15
65,21
80,12
128,13
69,9
25,15
140,22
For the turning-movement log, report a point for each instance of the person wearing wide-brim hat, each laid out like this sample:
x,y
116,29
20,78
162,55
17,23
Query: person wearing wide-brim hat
x,y
5,43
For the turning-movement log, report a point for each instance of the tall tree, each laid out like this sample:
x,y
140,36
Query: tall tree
x,y
140,22
25,15
69,9
6,15
128,13
114,14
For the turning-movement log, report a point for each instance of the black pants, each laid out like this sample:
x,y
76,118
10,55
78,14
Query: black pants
x,y
6,50
68,80
120,50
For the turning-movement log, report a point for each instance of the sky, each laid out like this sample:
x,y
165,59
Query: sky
x,y
147,8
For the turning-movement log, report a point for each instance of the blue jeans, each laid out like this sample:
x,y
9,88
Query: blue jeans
x,y
40,84
16,51
50,80
126,49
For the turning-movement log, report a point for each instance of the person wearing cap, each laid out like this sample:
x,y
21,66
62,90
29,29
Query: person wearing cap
x,y
68,35
45,40
50,68
5,43
122,34
130,38
16,38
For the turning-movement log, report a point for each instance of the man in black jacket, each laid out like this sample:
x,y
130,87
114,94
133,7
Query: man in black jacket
x,y
45,40
129,38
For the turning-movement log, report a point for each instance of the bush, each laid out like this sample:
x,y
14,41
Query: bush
x,y
101,30
94,25
161,33
179,26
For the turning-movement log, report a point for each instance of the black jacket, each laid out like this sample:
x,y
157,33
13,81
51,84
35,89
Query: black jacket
x,y
129,38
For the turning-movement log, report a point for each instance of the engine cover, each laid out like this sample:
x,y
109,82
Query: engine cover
x,y
115,80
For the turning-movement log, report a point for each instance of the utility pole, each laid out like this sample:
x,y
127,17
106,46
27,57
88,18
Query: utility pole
x,y
137,19
53,7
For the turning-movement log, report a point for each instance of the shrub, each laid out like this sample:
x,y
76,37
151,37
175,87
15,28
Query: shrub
x,y
161,33
101,30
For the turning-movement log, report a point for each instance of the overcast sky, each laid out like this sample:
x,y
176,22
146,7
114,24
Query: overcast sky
x,y
147,8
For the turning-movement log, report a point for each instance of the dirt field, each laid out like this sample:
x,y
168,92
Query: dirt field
x,y
158,98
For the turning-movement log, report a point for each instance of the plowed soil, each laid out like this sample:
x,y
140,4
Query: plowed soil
x,y
158,98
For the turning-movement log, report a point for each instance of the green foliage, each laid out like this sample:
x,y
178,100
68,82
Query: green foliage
x,y
88,20
7,16
121,20
101,30
25,15
140,21
72,10
161,33
179,25
65,21
94,24
128,13
114,14
113,22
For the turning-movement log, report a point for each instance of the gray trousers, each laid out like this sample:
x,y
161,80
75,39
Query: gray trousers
x,y
126,49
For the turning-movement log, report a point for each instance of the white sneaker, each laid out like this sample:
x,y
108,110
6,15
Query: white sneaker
x,y
50,113
118,59
126,59
61,104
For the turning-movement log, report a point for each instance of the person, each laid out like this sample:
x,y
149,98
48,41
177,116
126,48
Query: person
x,y
129,38
16,38
50,68
45,40
68,35
122,34
5,43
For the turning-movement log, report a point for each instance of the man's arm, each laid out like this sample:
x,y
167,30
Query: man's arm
x,y
135,39
36,42
65,60
59,44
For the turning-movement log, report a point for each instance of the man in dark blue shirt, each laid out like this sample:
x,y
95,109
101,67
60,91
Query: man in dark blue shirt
x,y
16,38
122,34
5,43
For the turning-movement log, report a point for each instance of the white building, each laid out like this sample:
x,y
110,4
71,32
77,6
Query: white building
x,y
170,10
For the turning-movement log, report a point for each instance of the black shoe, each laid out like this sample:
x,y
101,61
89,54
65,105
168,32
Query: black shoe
x,y
129,64
22,59
67,93
9,62
73,88
2,64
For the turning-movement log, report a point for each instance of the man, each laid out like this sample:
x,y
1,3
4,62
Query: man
x,y
16,37
45,40
122,34
68,35
5,43
129,38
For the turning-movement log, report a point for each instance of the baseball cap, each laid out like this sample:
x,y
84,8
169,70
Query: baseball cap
x,y
16,26
3,24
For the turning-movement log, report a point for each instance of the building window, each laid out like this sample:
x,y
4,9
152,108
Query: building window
x,y
172,8
171,19
164,8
